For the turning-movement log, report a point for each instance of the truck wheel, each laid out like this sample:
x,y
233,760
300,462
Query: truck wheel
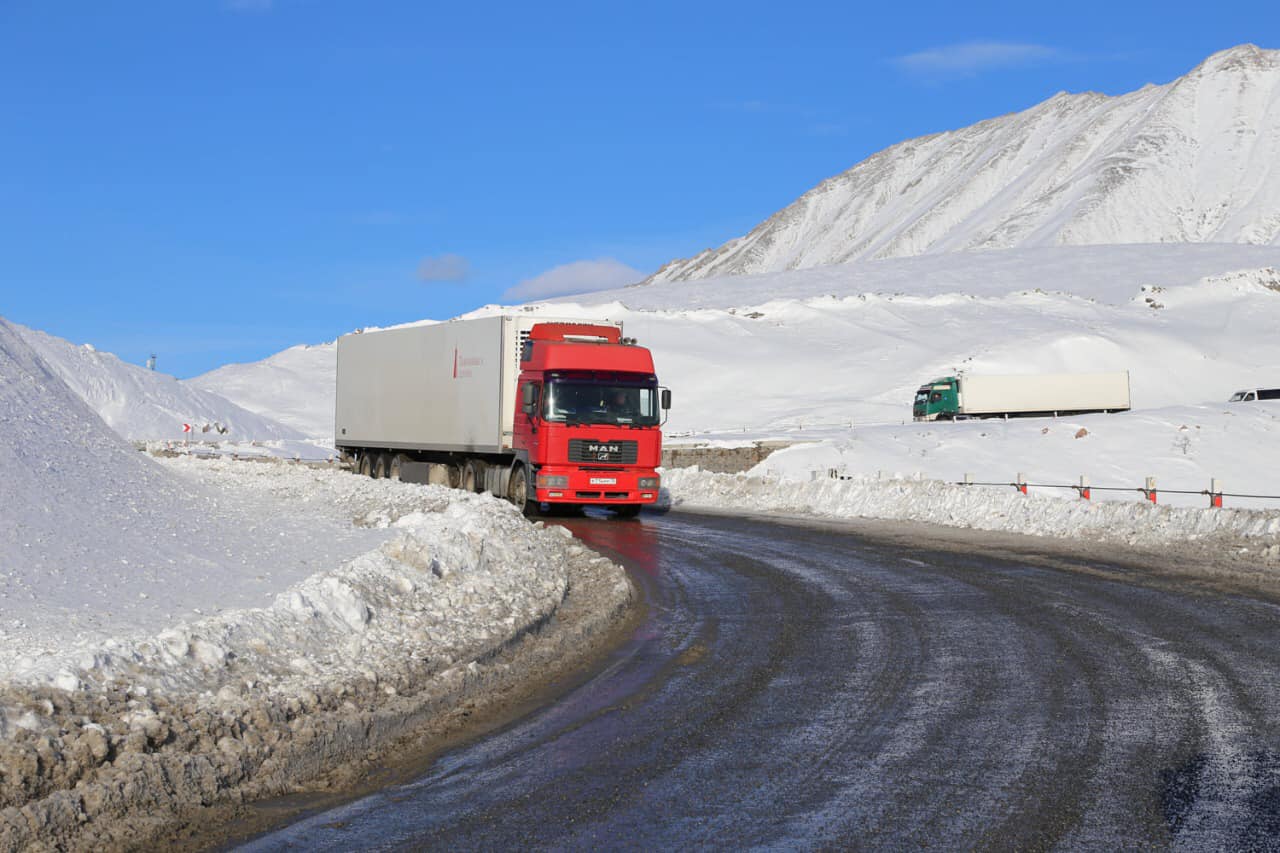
x,y
466,477
519,493
364,467
476,473
627,511
380,466
397,466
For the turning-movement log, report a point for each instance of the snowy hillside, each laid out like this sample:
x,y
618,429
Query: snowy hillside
x,y
1188,161
144,404
294,387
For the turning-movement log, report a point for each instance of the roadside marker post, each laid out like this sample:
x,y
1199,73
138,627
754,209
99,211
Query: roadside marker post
x,y
1021,485
1083,488
1150,490
1215,493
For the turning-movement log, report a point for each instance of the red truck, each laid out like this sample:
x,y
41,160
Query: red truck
x,y
546,412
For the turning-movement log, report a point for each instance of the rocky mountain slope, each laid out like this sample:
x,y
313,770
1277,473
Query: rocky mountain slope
x,y
1194,160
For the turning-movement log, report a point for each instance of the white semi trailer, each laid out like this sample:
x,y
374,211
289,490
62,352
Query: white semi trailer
x,y
1022,395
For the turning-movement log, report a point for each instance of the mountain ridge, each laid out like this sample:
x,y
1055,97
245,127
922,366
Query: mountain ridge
x,y
1186,161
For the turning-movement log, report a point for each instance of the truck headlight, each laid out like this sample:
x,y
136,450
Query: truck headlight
x,y
553,481
647,482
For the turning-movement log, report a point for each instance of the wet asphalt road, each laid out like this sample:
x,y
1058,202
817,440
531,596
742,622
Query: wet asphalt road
x,y
799,687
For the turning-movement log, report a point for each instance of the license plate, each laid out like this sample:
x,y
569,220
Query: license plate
x,y
604,481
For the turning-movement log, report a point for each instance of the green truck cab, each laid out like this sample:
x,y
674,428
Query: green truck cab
x,y
935,399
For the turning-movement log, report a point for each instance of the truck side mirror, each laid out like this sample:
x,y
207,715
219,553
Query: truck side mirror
x,y
529,398
666,398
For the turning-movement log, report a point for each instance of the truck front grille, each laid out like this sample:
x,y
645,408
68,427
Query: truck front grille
x,y
615,452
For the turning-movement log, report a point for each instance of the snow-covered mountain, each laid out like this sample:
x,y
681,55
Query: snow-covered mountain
x,y
294,387
144,404
1189,161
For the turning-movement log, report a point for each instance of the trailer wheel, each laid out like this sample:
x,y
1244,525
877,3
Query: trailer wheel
x,y
396,467
519,493
466,477
380,464
364,467
473,476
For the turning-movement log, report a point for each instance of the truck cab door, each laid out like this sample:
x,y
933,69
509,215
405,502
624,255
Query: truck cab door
x,y
527,429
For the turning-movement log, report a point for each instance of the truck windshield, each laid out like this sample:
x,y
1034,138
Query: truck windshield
x,y
583,402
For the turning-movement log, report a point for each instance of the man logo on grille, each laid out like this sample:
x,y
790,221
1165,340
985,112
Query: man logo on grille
x,y
604,448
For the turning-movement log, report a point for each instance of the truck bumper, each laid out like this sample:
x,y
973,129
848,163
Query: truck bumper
x,y
567,485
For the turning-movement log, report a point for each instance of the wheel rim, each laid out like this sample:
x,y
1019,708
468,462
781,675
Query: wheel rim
x,y
519,487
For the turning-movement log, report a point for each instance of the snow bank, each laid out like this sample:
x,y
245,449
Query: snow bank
x,y
115,738
457,571
98,540
978,507
1182,447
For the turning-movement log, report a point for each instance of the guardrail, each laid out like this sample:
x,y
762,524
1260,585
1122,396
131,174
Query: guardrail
x,y
1149,491
1084,489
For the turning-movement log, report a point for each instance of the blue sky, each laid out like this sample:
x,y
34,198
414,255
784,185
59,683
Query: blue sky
x,y
216,180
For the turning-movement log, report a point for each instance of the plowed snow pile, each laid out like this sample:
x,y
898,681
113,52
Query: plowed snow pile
x,y
100,540
147,404
192,633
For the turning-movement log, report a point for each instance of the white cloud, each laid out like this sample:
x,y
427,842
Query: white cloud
x,y
452,268
576,277
974,56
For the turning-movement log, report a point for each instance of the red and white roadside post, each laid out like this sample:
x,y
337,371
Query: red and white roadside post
x,y
1150,490
1083,488
186,430
1021,484
1215,493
